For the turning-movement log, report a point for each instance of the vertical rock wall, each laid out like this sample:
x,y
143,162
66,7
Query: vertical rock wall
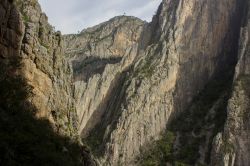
x,y
231,147
25,33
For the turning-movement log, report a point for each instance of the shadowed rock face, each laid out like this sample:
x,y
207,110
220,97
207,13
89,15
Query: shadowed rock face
x,y
231,146
87,68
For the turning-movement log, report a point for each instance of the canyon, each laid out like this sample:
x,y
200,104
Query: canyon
x,y
127,92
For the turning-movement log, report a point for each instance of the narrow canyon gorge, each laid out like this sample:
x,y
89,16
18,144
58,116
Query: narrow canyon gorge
x,y
173,91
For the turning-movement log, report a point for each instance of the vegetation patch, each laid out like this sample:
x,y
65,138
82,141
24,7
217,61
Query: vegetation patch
x,y
26,18
145,69
161,152
45,45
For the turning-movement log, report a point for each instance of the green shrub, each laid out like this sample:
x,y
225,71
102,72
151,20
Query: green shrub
x,y
26,18
160,153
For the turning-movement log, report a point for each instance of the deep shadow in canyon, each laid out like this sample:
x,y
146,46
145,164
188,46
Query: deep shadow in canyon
x,y
25,139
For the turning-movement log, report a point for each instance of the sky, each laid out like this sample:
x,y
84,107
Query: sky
x,y
72,16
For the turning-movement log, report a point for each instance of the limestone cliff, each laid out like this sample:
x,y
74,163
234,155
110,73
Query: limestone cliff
x,y
179,52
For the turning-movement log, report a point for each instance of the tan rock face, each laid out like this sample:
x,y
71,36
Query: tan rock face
x,y
25,33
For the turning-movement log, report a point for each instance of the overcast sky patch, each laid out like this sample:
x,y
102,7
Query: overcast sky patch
x,y
71,16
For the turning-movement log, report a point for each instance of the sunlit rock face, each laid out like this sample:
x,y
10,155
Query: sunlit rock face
x,y
132,77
